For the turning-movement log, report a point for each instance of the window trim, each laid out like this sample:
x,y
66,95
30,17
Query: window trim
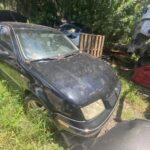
x,y
12,43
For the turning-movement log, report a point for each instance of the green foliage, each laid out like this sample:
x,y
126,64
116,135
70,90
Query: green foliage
x,y
135,104
20,131
114,18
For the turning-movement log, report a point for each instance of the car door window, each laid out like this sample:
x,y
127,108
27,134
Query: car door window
x,y
9,65
5,39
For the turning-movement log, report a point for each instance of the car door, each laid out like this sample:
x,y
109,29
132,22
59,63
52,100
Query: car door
x,y
9,66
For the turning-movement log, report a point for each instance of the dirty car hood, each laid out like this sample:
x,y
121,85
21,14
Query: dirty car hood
x,y
81,78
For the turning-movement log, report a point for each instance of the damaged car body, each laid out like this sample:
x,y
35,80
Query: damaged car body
x,y
79,91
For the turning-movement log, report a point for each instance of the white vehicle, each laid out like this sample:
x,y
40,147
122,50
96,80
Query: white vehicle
x,y
141,38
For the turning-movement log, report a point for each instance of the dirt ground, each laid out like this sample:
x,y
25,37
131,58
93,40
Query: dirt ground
x,y
112,121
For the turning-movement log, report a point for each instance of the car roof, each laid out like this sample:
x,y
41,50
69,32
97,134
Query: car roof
x,y
19,25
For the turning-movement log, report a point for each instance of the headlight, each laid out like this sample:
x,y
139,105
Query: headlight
x,y
92,110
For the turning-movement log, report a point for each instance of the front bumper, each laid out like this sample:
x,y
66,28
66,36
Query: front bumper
x,y
92,127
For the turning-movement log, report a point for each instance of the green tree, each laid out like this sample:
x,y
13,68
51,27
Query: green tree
x,y
114,18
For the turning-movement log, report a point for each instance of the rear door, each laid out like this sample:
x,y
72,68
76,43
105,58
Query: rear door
x,y
9,67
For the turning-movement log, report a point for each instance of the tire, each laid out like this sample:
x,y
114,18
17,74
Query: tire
x,y
36,111
33,103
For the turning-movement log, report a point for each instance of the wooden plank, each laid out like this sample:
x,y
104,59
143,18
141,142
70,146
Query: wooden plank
x,y
89,44
99,46
81,43
92,44
102,45
85,42
96,43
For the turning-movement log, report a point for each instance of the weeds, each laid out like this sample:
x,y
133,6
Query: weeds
x,y
135,104
19,131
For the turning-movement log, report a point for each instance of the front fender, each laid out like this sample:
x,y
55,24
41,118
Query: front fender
x,y
40,94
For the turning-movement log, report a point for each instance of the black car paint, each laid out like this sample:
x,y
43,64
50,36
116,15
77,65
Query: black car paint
x,y
94,78
81,78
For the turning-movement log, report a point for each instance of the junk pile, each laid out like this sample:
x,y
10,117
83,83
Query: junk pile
x,y
141,46
142,72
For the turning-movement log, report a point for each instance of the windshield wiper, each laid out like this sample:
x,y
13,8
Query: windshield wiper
x,y
44,59
55,58
74,53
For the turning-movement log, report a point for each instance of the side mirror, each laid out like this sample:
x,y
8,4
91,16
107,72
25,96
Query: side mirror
x,y
4,54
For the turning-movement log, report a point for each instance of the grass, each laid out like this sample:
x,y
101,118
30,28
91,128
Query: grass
x,y
134,102
34,131
135,99
20,131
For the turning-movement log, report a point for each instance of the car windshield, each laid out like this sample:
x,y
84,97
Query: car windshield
x,y
44,44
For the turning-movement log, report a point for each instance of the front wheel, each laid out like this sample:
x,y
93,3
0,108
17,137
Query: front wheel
x,y
35,108
31,102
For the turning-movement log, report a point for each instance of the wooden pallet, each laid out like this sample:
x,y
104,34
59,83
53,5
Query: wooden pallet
x,y
92,44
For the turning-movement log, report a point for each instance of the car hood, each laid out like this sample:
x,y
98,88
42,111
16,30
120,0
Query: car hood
x,y
82,79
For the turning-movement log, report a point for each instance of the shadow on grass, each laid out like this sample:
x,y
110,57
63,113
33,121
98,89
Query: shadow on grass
x,y
120,107
147,112
125,70
127,75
